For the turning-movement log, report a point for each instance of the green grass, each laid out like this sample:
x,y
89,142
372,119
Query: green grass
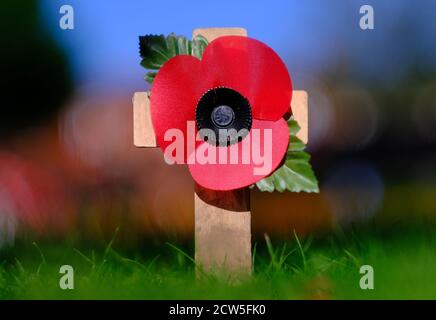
x,y
323,267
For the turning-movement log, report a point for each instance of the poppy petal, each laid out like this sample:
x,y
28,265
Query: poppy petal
x,y
252,68
174,95
267,149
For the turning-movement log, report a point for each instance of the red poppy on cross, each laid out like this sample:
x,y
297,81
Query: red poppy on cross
x,y
222,203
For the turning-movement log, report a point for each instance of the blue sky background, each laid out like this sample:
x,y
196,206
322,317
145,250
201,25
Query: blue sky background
x,y
311,36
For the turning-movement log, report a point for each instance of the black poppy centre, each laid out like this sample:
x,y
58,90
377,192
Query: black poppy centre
x,y
226,114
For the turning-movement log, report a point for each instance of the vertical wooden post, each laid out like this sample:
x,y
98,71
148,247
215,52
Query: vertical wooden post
x,y
223,231
222,218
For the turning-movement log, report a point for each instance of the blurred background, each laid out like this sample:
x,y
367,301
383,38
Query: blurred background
x,y
68,167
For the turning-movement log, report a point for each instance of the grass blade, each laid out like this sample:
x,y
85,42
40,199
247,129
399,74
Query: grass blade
x,y
300,248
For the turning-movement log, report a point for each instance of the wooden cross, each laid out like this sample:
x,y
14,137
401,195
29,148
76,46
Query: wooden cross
x,y
222,218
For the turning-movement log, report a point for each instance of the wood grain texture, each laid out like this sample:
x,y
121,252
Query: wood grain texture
x,y
143,132
300,110
212,33
223,231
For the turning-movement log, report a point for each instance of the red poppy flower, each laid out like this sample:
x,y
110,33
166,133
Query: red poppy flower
x,y
240,83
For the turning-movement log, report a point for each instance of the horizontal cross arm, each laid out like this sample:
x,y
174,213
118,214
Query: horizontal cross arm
x,y
144,136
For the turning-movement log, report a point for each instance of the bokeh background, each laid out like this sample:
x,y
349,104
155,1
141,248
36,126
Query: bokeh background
x,y
68,167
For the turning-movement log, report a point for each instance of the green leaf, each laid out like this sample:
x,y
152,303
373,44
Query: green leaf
x,y
295,144
155,50
296,173
149,77
293,127
198,45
